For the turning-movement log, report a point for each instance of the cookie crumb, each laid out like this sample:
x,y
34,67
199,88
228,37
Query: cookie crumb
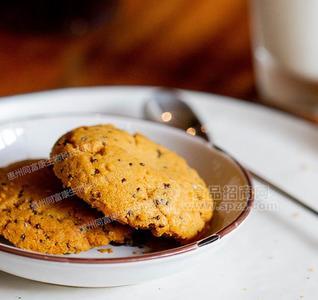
x,y
107,250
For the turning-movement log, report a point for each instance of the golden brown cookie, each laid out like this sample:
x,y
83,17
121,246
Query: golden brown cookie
x,y
133,180
37,214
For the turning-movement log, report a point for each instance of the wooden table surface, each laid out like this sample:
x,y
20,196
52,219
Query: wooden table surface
x,y
202,45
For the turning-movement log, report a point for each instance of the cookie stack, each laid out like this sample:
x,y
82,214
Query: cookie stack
x,y
103,184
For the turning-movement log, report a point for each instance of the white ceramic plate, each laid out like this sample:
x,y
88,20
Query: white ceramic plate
x,y
33,137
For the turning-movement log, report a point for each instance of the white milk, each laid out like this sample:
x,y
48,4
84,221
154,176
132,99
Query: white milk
x,y
288,30
285,36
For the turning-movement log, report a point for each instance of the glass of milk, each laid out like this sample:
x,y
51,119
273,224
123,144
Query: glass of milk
x,y
285,42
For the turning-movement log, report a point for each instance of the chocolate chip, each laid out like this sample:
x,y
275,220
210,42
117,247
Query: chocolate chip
x,y
95,195
151,226
20,193
96,171
142,164
166,185
123,180
22,237
101,151
161,202
65,142
37,226
159,153
138,189
92,159
19,203
6,224
130,164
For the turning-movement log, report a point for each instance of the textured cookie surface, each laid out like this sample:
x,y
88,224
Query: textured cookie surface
x,y
134,180
37,214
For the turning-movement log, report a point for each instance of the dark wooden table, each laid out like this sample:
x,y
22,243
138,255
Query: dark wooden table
x,y
202,45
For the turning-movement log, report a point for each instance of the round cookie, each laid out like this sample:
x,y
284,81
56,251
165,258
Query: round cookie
x,y
133,180
37,214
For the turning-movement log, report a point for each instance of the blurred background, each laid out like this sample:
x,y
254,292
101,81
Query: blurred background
x,y
202,45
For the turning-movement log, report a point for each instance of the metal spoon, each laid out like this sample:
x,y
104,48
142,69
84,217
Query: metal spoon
x,y
166,106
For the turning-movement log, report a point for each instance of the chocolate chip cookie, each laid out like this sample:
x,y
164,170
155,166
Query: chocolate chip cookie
x,y
133,180
37,213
